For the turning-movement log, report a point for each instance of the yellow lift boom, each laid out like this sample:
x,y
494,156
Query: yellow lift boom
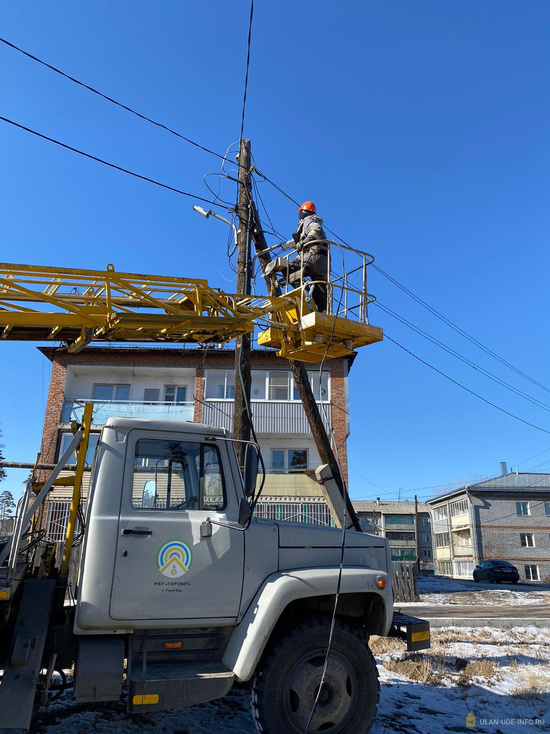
x,y
77,307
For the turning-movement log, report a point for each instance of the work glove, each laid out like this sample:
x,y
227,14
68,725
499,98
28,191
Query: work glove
x,y
299,245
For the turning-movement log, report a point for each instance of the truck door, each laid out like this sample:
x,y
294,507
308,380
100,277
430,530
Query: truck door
x,y
164,569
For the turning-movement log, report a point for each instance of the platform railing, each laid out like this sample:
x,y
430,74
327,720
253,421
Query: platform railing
x,y
347,294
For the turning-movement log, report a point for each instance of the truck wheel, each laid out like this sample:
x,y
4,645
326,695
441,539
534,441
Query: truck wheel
x,y
287,680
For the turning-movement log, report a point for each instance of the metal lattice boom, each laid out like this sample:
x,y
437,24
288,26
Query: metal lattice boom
x,y
80,306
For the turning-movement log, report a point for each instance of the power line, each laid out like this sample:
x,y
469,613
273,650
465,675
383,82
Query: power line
x,y
113,165
247,66
460,331
110,99
456,328
502,410
463,359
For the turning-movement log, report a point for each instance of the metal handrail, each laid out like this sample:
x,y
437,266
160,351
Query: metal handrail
x,y
341,281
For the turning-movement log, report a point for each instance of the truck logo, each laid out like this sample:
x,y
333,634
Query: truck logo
x,y
174,559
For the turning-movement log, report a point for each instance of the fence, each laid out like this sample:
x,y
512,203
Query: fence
x,y
403,576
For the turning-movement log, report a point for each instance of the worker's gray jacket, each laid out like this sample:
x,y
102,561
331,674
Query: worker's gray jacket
x,y
309,229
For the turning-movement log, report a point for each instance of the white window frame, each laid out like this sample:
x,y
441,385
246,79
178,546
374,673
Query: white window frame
x,y
527,540
460,507
520,505
439,539
175,388
529,576
440,513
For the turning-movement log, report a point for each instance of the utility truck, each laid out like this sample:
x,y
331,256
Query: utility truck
x,y
180,591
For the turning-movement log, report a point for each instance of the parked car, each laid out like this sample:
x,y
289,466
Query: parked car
x,y
496,571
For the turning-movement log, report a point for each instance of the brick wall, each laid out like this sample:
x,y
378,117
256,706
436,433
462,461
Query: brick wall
x,y
339,413
53,412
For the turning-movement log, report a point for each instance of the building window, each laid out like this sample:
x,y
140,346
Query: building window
x,y
463,568
399,536
426,553
278,386
426,538
291,460
175,393
444,568
522,508
425,522
398,520
151,395
66,439
527,540
440,513
403,554
547,508
319,386
442,540
531,572
459,508
106,393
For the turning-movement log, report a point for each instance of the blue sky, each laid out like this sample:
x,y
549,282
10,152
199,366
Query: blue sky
x,y
419,129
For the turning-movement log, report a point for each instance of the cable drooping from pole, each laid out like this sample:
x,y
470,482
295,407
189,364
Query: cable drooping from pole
x,y
112,165
247,66
475,394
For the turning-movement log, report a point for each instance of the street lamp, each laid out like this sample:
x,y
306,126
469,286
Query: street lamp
x,y
209,213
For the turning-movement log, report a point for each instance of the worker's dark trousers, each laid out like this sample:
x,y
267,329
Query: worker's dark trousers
x,y
315,268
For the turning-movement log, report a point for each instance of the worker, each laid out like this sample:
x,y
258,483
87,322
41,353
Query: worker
x,y
313,254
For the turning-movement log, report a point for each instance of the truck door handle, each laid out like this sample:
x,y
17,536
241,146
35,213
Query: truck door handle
x,y
144,533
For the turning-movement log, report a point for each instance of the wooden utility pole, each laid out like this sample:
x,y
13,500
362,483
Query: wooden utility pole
x,y
416,535
242,422
301,379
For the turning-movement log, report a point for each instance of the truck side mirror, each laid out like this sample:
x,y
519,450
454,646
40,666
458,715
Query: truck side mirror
x,y
250,469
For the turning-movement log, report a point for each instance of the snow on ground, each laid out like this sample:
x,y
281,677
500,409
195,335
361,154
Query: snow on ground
x,y
503,681
438,590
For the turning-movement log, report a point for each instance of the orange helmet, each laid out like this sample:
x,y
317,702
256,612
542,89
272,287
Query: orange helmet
x,y
308,206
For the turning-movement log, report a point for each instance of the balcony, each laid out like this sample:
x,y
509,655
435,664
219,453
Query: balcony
x,y
73,409
269,416
463,550
401,543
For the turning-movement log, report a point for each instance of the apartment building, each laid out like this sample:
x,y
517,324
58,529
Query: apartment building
x,y
194,384
406,525
505,518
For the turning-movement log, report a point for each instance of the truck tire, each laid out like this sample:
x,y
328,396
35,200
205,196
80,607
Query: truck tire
x,y
286,682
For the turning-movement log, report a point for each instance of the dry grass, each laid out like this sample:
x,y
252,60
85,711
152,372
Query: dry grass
x,y
532,686
381,645
419,667
476,669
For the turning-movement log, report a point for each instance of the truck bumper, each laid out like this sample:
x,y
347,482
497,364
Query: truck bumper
x,y
415,632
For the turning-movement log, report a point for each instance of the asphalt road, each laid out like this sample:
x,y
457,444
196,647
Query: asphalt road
x,y
491,610
478,611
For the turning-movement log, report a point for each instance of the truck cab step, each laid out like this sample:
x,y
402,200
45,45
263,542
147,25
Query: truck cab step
x,y
162,687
